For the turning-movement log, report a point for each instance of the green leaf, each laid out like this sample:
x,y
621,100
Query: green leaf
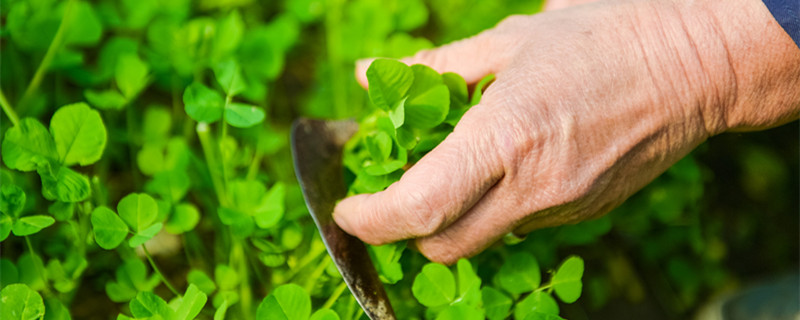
x,y
398,114
131,75
272,207
229,77
567,280
109,229
64,185
203,104
79,133
389,82
520,273
170,185
86,28
131,277
387,261
18,301
242,115
5,226
479,88
428,109
143,235
12,200
325,314
288,301
226,277
55,310
138,210
542,316
184,218
496,303
457,88
221,311
106,99
8,273
148,304
537,301
425,78
157,125
62,211
469,284
434,286
201,280
379,144
460,312
31,224
230,30
191,304
28,146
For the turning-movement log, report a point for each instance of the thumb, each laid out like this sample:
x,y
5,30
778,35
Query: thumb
x,y
472,58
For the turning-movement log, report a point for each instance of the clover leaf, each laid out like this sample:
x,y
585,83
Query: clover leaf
x,y
520,273
434,286
202,103
288,301
18,301
537,301
242,115
567,280
389,82
109,229
138,210
79,133
28,145
31,224
495,303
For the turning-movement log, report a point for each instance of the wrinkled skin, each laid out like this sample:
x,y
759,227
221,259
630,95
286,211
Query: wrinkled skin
x,y
591,103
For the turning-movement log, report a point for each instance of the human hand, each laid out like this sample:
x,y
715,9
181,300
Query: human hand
x,y
590,104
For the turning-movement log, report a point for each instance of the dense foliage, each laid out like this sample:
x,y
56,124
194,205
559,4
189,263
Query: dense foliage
x,y
146,172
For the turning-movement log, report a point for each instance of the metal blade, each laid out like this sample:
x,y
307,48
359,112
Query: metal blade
x,y
317,151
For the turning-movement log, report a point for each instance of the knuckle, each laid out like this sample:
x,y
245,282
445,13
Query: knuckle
x,y
423,218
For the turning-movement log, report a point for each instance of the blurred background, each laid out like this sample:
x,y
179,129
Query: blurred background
x,y
721,219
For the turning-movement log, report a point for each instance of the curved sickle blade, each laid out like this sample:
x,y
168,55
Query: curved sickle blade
x,y
317,151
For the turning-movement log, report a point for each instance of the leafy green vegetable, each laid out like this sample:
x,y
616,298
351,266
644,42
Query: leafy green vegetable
x,y
28,146
288,301
536,302
109,229
191,303
519,273
79,133
389,81
243,116
12,200
567,279
434,285
202,103
148,304
18,301
31,224
138,210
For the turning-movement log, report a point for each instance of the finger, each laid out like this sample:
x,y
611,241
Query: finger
x,y
488,221
472,58
433,193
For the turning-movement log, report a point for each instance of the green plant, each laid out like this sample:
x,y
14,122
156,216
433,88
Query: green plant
x,y
146,171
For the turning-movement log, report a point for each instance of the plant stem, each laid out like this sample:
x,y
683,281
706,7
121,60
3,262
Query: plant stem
x,y
158,271
39,268
245,293
223,136
314,276
48,56
8,109
335,295
213,166
310,257
333,16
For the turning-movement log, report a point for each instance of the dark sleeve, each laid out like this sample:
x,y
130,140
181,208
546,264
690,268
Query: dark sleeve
x,y
787,13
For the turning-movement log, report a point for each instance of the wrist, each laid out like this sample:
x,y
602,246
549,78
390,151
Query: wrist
x,y
752,65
